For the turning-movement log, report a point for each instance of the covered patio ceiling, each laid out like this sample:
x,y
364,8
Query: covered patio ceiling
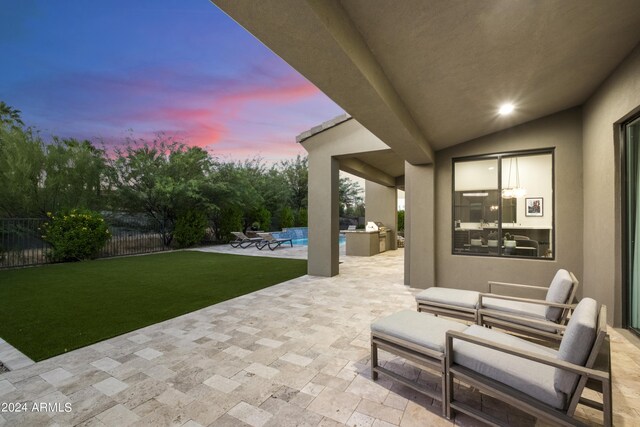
x,y
383,167
423,75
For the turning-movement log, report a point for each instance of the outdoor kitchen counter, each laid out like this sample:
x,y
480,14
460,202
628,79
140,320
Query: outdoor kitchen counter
x,y
364,243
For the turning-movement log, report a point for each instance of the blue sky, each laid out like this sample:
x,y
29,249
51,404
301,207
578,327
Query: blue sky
x,y
110,70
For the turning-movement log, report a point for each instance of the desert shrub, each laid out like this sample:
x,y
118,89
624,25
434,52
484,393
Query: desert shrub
x,y
76,235
190,229
263,217
230,219
301,218
286,218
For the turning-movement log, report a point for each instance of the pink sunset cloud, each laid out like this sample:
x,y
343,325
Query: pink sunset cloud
x,y
256,112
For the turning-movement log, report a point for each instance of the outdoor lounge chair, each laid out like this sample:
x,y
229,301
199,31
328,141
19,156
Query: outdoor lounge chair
x,y
272,242
535,317
541,381
243,241
539,318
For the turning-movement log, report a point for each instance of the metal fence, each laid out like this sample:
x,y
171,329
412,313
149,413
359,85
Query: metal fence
x,y
131,235
21,242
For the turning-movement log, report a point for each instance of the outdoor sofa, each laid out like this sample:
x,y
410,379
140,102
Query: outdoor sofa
x,y
533,317
541,381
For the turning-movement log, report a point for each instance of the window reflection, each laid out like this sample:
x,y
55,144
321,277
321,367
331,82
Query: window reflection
x,y
503,205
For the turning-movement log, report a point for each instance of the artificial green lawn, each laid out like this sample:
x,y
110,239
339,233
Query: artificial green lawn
x,y
48,310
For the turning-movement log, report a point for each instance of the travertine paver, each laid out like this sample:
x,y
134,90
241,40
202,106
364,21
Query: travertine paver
x,y
294,354
56,376
148,353
105,364
110,386
249,414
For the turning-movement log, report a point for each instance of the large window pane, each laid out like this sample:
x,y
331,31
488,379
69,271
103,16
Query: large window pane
x,y
503,205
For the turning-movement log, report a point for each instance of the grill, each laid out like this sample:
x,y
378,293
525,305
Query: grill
x,y
382,233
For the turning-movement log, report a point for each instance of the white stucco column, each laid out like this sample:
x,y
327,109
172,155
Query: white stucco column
x,y
324,225
419,226
382,205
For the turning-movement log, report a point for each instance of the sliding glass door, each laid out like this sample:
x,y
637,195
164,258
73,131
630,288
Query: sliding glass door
x,y
632,198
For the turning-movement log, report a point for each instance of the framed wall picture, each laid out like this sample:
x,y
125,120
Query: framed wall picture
x,y
533,206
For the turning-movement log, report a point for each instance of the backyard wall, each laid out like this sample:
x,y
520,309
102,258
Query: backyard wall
x,y
562,131
617,99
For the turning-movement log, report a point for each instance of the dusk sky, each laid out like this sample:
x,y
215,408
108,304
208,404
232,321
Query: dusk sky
x,y
112,69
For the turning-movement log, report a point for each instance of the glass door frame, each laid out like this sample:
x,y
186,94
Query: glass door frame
x,y
625,240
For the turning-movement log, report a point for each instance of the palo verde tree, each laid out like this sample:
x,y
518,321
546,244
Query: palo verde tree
x,y
36,178
350,195
163,180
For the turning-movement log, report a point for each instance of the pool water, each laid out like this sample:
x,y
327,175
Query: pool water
x,y
305,242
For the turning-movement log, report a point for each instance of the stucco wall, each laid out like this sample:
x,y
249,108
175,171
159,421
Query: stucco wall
x,y
562,131
382,205
419,226
616,100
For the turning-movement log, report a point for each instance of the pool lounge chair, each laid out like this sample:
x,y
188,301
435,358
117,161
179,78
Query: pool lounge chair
x,y
541,381
534,317
243,241
273,243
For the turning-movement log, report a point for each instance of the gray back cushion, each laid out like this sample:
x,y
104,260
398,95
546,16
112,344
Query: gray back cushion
x,y
577,342
559,291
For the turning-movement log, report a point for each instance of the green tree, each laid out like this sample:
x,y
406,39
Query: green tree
x,y
286,218
22,159
350,197
234,195
263,217
9,116
163,180
296,174
73,176
302,218
36,178
191,228
228,219
400,220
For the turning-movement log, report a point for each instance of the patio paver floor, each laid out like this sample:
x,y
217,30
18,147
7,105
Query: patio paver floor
x,y
293,354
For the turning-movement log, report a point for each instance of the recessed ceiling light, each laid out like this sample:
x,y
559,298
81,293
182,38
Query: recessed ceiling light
x,y
506,109
491,168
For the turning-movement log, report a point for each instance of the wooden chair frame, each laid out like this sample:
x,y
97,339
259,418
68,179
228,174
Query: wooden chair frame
x,y
521,323
421,356
595,374
448,310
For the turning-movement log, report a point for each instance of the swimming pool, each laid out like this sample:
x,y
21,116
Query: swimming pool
x,y
305,242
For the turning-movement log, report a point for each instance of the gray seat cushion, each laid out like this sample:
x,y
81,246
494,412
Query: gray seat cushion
x,y
417,328
558,291
532,378
534,311
537,311
455,297
577,342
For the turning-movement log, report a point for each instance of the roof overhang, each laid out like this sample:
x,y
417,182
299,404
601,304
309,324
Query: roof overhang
x,y
423,75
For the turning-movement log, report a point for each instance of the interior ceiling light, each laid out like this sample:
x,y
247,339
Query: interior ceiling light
x,y
506,109
516,192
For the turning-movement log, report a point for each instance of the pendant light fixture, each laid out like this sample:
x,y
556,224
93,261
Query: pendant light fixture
x,y
513,192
